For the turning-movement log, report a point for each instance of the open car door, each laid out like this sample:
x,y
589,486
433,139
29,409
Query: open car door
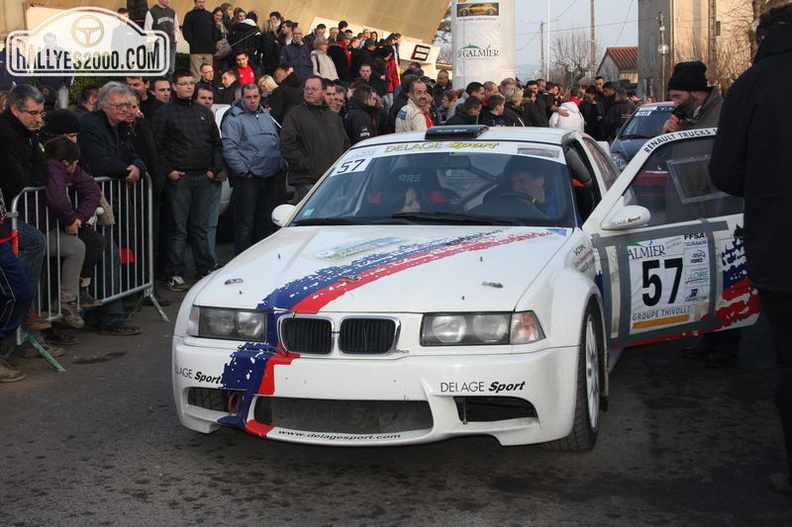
x,y
669,246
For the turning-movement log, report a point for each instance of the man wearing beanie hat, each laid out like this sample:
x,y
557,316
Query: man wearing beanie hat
x,y
697,105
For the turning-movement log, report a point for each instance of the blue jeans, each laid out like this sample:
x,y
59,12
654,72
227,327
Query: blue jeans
x,y
189,198
254,198
15,291
32,248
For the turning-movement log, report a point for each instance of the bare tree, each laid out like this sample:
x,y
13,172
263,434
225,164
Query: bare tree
x,y
570,55
443,38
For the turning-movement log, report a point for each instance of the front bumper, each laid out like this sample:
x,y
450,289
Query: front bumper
x,y
518,398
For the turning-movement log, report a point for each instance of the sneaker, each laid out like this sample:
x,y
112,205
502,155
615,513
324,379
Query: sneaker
x,y
27,350
9,374
177,283
35,322
71,315
87,301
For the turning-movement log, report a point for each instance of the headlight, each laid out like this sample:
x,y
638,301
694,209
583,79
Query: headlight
x,y
476,329
230,324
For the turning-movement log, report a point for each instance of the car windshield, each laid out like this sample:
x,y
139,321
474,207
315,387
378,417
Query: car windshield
x,y
530,185
646,122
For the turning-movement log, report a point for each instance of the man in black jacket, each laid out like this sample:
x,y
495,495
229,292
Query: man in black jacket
x,y
108,151
191,154
365,117
200,32
312,138
751,158
23,165
289,93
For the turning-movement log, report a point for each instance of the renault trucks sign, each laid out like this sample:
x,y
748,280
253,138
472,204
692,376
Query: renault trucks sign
x,y
87,41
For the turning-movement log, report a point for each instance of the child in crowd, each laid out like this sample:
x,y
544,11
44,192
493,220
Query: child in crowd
x,y
73,235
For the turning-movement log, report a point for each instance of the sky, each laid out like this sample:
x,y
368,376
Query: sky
x,y
615,24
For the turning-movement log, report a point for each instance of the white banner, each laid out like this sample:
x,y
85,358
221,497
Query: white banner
x,y
483,41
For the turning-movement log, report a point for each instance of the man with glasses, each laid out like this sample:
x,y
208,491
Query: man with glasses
x,y
107,150
191,154
23,165
312,138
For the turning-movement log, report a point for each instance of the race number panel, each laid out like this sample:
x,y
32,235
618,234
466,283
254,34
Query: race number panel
x,y
669,281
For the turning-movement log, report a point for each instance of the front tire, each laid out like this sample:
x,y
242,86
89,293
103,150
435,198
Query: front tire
x,y
590,377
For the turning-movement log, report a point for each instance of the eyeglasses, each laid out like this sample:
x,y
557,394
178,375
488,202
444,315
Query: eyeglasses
x,y
186,83
122,106
35,113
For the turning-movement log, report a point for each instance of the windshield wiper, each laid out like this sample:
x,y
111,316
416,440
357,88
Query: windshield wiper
x,y
326,221
454,217
634,136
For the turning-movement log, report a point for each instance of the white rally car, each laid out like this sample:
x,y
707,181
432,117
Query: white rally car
x,y
461,281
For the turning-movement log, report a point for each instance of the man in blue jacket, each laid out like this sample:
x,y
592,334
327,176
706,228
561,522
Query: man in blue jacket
x,y
252,152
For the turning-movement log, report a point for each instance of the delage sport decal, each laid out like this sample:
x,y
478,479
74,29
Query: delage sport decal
x,y
670,279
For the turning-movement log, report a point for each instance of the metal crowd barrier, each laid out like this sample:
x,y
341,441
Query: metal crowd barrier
x,y
131,241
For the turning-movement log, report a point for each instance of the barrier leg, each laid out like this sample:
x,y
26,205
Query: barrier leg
x,y
148,293
22,337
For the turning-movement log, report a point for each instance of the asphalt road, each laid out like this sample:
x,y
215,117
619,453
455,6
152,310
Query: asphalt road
x,y
101,445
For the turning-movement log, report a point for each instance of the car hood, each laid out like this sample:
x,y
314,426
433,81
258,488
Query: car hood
x,y
385,269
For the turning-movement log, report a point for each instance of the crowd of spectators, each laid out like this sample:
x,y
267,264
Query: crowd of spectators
x,y
297,102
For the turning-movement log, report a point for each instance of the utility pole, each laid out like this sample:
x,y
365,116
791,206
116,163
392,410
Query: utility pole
x,y
712,30
544,59
663,50
547,45
593,49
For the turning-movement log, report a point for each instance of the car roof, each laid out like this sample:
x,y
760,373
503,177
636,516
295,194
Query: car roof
x,y
555,136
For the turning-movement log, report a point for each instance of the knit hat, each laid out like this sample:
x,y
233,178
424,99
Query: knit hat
x,y
689,76
58,122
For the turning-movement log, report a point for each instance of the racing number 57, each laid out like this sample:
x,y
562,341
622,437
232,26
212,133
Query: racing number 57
x,y
651,279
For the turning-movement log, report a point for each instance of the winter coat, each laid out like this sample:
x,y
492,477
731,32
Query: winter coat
x,y
312,138
533,114
616,117
106,150
250,142
752,158
593,114
490,119
56,195
323,65
22,159
187,138
300,58
460,117
200,32
362,121
288,94
342,59
242,37
574,121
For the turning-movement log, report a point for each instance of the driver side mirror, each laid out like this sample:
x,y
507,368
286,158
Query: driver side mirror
x,y
282,213
627,217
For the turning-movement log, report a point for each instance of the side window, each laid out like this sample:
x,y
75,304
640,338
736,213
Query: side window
x,y
674,184
606,166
